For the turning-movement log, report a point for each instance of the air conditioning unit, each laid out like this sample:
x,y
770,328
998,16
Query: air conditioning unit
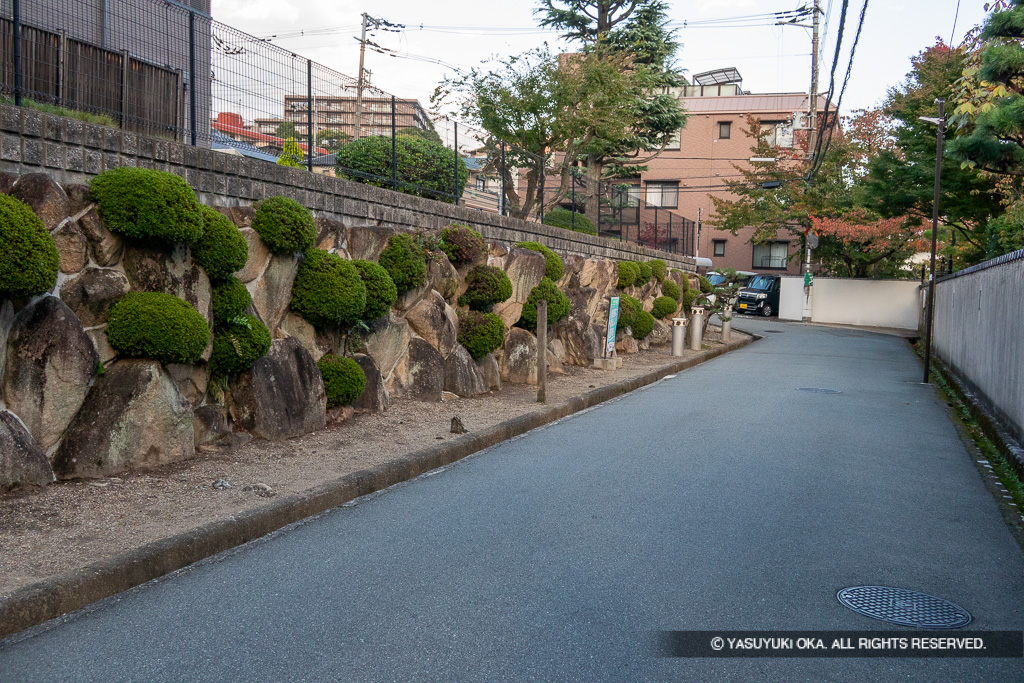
x,y
801,121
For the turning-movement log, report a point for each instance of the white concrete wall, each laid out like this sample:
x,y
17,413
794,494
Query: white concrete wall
x,y
870,303
791,299
979,332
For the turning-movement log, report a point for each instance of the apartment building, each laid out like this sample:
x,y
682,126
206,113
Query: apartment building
x,y
338,114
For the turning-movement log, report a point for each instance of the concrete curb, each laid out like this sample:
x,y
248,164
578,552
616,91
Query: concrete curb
x,y
51,598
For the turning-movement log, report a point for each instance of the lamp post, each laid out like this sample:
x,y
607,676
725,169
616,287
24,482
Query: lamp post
x,y
939,121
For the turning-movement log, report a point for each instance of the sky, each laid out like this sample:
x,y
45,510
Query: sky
x,y
442,35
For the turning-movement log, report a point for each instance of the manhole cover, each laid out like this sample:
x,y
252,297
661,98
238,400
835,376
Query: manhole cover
x,y
903,607
816,390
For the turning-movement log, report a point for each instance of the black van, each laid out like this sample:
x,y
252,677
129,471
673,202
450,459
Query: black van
x,y
761,295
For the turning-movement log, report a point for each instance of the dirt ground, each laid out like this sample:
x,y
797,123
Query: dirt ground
x,y
48,531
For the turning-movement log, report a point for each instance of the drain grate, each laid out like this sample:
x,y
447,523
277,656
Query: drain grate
x,y
903,607
816,390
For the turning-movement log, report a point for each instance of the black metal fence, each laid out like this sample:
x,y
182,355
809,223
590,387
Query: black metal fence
x,y
166,68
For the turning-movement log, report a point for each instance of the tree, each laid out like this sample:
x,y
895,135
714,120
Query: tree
x,y
860,245
331,140
291,155
286,130
586,21
429,135
424,169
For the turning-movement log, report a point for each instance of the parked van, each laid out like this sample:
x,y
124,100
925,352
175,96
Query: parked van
x,y
761,295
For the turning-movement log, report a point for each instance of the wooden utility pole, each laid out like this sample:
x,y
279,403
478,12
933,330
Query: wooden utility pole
x,y
359,85
813,99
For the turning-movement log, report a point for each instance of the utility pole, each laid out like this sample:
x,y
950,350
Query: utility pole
x,y
940,121
696,241
813,99
359,86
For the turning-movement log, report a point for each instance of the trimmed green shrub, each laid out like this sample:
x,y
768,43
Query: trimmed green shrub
x,y
642,325
28,255
628,273
405,262
328,291
481,333
424,166
689,296
221,250
564,218
230,299
344,379
238,345
147,205
381,293
705,285
645,273
558,304
284,225
158,326
628,310
486,286
671,289
664,306
462,244
658,268
553,266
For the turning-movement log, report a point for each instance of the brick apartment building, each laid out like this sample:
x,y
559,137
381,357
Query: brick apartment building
x,y
338,114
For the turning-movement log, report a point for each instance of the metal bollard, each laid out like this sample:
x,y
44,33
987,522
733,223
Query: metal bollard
x,y
678,336
726,330
696,328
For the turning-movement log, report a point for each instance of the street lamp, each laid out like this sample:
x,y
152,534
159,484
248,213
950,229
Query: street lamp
x,y
939,121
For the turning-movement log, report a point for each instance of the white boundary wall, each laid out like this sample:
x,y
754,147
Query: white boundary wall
x,y
979,333
867,303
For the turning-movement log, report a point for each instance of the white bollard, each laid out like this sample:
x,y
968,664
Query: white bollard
x,y
678,336
726,330
696,328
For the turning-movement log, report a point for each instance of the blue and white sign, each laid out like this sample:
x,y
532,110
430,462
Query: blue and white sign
x,y
613,322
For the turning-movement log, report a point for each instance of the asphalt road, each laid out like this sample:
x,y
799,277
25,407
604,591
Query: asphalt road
x,y
724,498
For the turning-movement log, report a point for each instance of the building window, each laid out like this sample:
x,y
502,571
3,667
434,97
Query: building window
x,y
627,196
481,183
663,195
719,246
673,142
771,255
724,130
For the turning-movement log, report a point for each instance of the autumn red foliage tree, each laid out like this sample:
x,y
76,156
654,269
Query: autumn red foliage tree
x,y
859,244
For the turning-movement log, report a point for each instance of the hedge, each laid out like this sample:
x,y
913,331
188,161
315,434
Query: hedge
x,y
462,244
481,333
405,262
564,218
553,266
486,286
328,290
221,250
558,304
284,225
158,326
344,379
628,273
425,168
146,205
230,299
381,293
664,306
28,255
237,345
642,325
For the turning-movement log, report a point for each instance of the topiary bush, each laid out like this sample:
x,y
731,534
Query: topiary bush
x,y
486,286
671,289
564,218
645,273
221,250
689,296
237,345
558,304
658,268
158,326
664,306
405,262
381,293
328,290
553,266
705,285
425,167
147,205
230,299
628,273
344,379
28,255
642,325
628,310
462,244
284,225
481,333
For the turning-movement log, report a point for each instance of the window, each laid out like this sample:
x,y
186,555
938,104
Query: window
x,y
628,196
771,255
719,246
673,143
663,195
481,183
724,130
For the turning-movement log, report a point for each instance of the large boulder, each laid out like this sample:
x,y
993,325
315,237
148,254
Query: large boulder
x,y
281,395
374,398
295,326
45,196
105,247
21,461
366,243
152,270
625,343
443,276
213,431
331,235
661,334
435,321
583,302
191,380
80,196
580,341
50,362
519,357
91,294
272,292
387,342
419,374
259,256
525,268
490,371
134,417
72,247
601,274
461,375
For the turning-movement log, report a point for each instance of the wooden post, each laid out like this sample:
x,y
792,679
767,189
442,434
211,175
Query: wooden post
x,y
542,350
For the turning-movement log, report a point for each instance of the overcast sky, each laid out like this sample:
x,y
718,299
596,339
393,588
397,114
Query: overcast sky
x,y
463,34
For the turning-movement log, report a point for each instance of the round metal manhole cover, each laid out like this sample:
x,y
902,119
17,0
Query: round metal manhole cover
x,y
903,607
817,390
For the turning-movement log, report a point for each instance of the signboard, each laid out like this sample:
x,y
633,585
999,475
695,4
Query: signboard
x,y
613,322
